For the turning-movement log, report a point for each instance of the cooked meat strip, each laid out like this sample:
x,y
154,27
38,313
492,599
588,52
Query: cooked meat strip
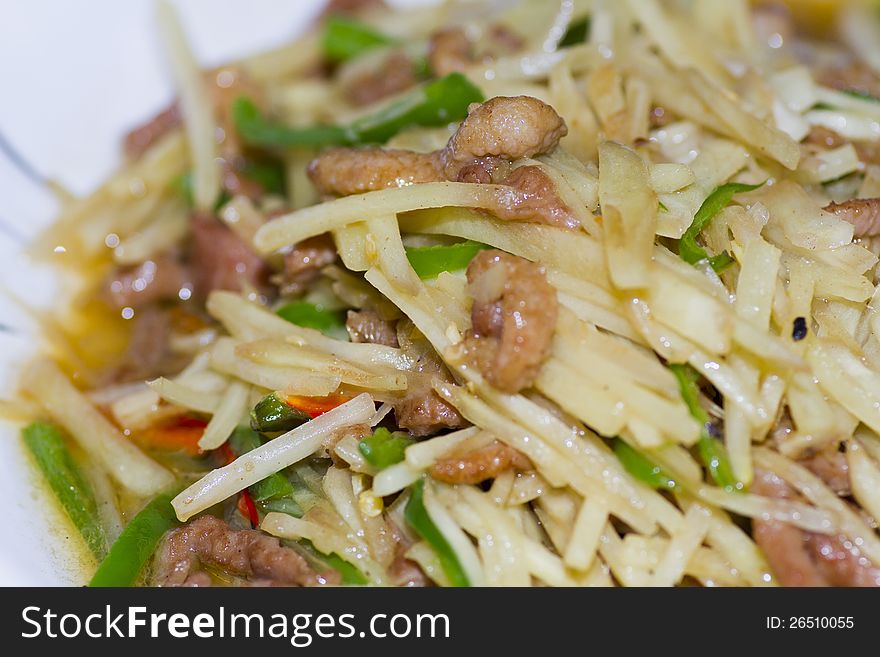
x,y
507,127
513,316
800,558
476,466
140,139
244,553
404,572
862,213
506,39
304,262
147,355
855,76
830,466
221,260
533,197
367,326
346,171
823,137
494,134
449,50
350,6
396,74
157,279
422,412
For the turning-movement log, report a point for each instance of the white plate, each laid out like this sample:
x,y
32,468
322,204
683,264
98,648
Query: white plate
x,y
76,76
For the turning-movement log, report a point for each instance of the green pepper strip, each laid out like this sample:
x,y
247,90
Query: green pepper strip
x,y
712,451
276,485
46,444
384,448
431,261
720,198
435,104
418,518
308,315
346,39
577,32
136,543
642,468
273,414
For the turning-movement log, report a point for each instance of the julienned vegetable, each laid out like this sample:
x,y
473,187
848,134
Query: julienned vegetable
x,y
350,574
272,413
384,448
642,468
346,39
712,451
435,104
46,444
276,485
136,543
720,198
431,261
308,315
418,518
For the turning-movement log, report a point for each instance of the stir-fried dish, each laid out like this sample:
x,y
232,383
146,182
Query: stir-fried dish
x,y
483,293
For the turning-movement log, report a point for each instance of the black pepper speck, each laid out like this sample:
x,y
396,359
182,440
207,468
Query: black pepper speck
x,y
799,330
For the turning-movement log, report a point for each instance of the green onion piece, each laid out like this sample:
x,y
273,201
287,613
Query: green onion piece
x,y
577,32
418,518
286,505
431,261
346,39
435,104
642,468
276,485
308,315
688,249
272,414
711,450
384,448
136,543
662,206
46,445
259,131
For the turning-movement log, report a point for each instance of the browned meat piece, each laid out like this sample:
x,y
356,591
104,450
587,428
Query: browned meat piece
x,y
784,546
423,412
505,39
856,77
396,74
351,6
304,262
158,279
823,138
507,127
862,213
243,553
800,558
147,355
346,171
221,260
514,316
403,571
138,141
478,465
532,197
367,326
449,50
831,467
